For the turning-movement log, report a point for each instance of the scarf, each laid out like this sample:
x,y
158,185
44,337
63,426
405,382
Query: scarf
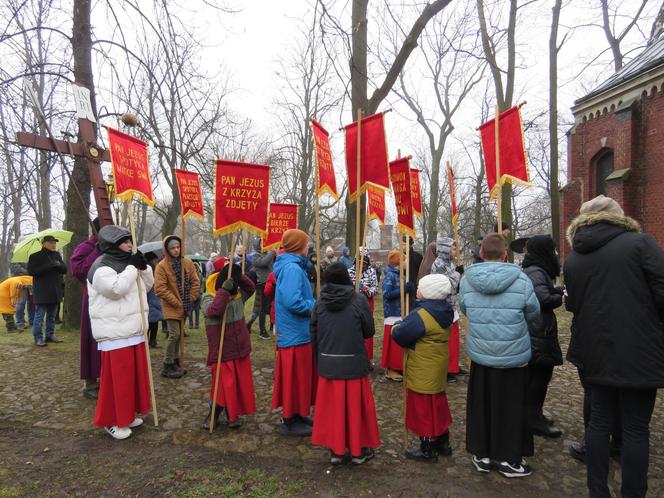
x,y
112,256
446,266
176,263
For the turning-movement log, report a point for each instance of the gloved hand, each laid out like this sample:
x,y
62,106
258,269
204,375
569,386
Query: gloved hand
x,y
460,269
228,285
138,260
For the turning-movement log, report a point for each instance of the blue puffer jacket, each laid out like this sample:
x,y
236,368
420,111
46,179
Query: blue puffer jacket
x,y
391,292
294,300
499,301
154,307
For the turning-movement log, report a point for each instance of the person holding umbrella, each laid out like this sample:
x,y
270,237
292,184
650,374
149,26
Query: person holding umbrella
x,y
46,268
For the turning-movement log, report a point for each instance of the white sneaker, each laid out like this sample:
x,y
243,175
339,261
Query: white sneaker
x,y
136,423
118,432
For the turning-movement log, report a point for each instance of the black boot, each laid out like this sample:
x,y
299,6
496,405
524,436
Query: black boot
x,y
170,371
177,366
442,445
206,423
425,453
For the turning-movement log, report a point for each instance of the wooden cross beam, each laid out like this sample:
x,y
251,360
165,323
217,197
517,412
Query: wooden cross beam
x,y
87,148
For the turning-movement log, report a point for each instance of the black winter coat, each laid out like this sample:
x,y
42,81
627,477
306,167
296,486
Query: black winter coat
x,y
615,285
544,330
47,268
340,322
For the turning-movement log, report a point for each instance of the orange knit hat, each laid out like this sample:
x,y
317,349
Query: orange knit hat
x,y
294,240
393,257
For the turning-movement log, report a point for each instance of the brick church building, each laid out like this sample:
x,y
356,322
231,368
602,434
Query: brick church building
x,y
616,146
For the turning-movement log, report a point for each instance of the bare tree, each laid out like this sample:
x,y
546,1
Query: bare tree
x,y
357,45
452,57
554,48
615,39
308,93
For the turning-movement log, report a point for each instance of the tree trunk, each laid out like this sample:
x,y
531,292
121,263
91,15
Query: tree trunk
x,y
553,122
434,201
359,99
76,218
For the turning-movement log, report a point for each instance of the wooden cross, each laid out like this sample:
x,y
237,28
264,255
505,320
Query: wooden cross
x,y
88,148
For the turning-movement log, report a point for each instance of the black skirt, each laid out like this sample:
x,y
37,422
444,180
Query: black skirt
x,y
496,414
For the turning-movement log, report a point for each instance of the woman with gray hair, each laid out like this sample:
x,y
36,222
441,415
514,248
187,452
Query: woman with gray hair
x,y
445,264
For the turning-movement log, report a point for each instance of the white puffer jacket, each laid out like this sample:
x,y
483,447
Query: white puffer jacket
x,y
115,309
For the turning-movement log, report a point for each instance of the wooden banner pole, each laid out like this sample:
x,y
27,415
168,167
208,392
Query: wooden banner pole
x,y
499,193
455,225
144,325
182,277
403,372
245,238
358,197
407,300
221,338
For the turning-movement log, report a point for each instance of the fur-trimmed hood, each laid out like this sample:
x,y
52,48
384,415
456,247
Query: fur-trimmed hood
x,y
592,230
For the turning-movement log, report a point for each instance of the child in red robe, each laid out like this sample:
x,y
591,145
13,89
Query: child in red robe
x,y
424,334
235,390
345,414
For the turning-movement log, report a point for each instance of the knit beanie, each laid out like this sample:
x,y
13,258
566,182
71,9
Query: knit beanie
x,y
602,203
393,258
172,242
337,273
435,286
294,240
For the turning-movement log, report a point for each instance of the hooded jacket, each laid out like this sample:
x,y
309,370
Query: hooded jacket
x,y
262,264
392,292
615,285
499,301
346,258
424,334
294,300
166,283
445,265
114,295
339,324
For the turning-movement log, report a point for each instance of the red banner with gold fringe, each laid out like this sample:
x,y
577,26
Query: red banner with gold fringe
x,y
416,192
450,179
191,198
131,171
513,163
326,179
400,178
282,217
376,204
373,155
242,193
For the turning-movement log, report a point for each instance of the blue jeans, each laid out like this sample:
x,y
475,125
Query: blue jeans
x,y
41,310
24,302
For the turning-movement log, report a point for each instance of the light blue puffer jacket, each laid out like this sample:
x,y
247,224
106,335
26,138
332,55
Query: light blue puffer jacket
x,y
499,301
294,300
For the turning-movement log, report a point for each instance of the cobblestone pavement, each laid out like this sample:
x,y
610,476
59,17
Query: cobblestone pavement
x,y
48,441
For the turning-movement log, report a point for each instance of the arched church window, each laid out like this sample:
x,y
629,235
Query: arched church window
x,y
603,169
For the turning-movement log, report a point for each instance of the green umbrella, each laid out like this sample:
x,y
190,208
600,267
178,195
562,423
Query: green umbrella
x,y
33,243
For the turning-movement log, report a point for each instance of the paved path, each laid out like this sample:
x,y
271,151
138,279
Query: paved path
x,y
41,405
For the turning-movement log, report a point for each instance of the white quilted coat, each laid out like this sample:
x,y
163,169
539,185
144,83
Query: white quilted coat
x,y
115,311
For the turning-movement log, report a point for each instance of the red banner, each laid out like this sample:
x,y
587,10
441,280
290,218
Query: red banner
x,y
191,198
513,164
416,192
131,172
400,178
326,179
241,200
450,179
282,217
376,202
373,155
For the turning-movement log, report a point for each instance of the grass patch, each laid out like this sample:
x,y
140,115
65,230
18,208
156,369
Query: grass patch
x,y
256,483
